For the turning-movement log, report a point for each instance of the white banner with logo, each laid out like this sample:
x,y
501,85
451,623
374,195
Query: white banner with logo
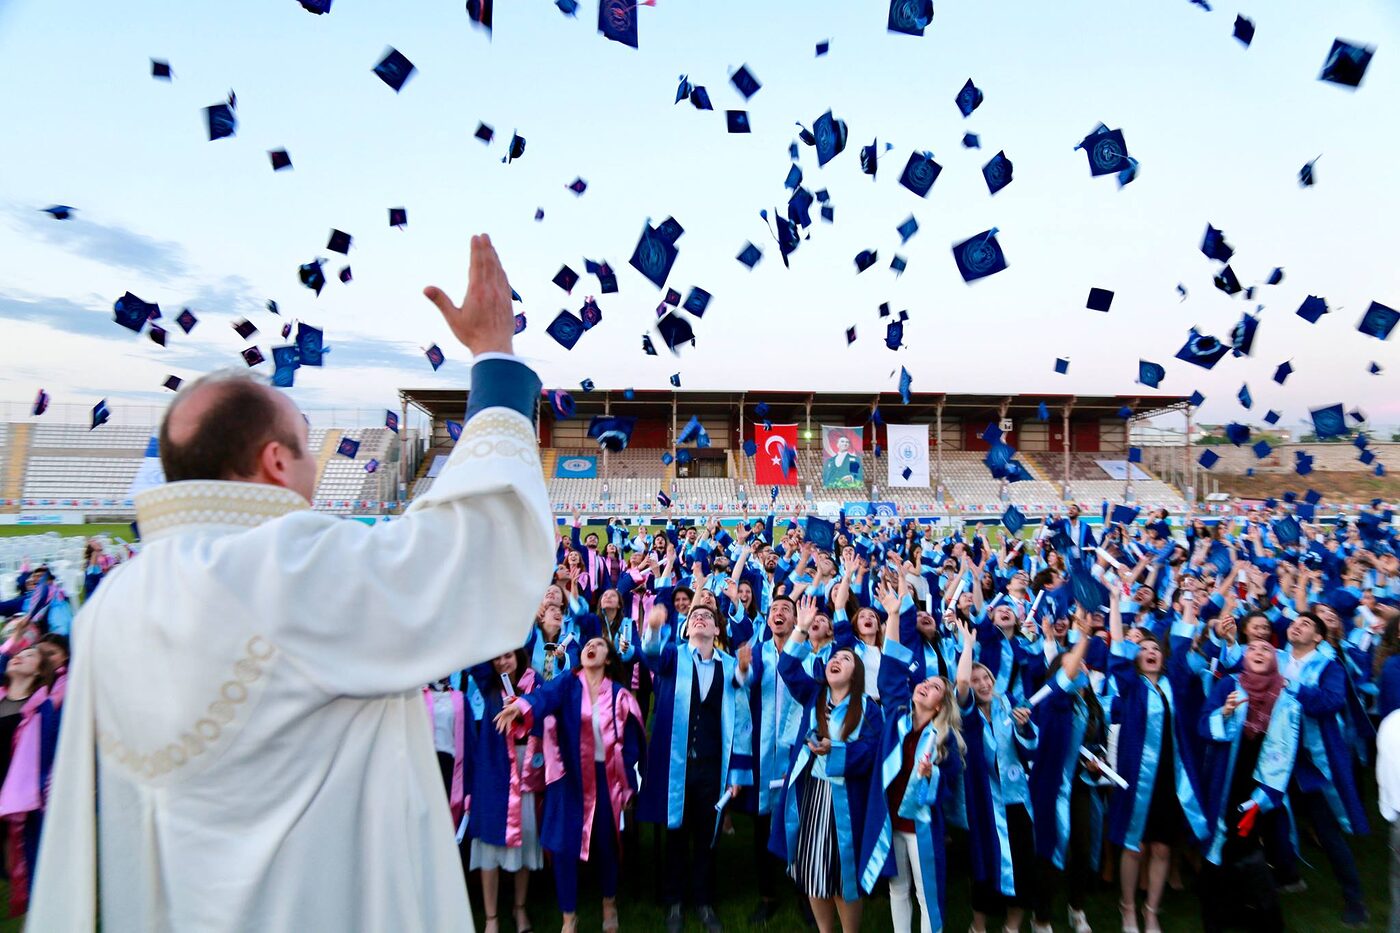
x,y
908,454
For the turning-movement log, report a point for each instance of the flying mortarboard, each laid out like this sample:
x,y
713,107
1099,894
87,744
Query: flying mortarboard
x,y
910,17
394,69
372,466
244,328
1306,177
1061,365
398,217
479,12
920,172
391,420
969,98
101,414
1150,374
1100,299
1042,412
737,121
979,256
253,356
1312,308
617,19
566,328
220,120
676,380
345,274
907,229
160,69
1262,449
1276,276
60,211
1329,421
1366,457
590,314
824,46
697,301
339,242
562,403
750,255
1374,369
1271,417
1346,64
349,447
286,329
285,363
1134,454
316,6
1242,336
971,141
515,150
865,259
997,172
1202,350
1214,245
173,383
311,346
656,253
1244,30
1013,518
312,275
566,279
675,330
1245,399
829,137
1237,434
1285,369
1106,150
133,313
850,335
1123,515
434,355
1208,459
820,532
906,382
894,331
1227,282
794,177
578,186
1196,399
1378,321
744,82
41,403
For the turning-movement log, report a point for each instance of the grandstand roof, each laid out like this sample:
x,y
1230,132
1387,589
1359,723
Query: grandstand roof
x,y
440,403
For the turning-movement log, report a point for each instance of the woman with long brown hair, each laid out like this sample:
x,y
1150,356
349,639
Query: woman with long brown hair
x,y
28,732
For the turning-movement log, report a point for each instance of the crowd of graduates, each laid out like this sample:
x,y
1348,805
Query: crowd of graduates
x,y
879,699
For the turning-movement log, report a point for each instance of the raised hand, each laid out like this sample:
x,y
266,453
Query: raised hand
x,y
483,323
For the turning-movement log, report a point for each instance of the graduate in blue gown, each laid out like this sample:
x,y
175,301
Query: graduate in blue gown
x,y
918,775
823,804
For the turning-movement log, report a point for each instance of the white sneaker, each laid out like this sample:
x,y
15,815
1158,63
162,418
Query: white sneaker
x,y
1078,922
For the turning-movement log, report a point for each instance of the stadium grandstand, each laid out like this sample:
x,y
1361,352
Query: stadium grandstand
x,y
64,471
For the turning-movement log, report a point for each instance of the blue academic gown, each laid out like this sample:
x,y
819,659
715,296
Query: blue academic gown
x,y
662,799
1062,721
986,786
1324,759
1138,709
774,730
847,768
492,761
924,800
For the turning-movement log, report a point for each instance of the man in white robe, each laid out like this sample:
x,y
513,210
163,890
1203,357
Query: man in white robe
x,y
249,688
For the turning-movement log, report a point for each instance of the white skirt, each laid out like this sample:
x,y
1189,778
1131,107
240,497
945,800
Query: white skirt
x,y
529,854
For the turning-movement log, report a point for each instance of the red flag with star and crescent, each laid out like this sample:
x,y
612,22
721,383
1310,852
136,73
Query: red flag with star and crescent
x,y
769,458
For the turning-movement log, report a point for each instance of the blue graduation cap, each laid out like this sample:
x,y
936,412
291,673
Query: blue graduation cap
x,y
1061,365
394,69
1306,177
906,381
566,279
894,331
824,46
1228,282
617,20
1262,449
744,82
1106,150
829,136
694,431
898,264
59,211
41,403
1346,63
820,532
969,98
1303,464
655,253
1125,412
794,177
1374,369
869,158
286,360
172,383
865,259
101,414
1328,421
1123,515
991,433
907,229
979,256
1285,369
1306,511
391,419
480,12
220,121
310,345
1150,374
348,448
750,448
971,141
562,403
1245,398
1271,417
611,432
1244,30
789,459
133,313
1312,497
160,69
997,172
1287,530
1014,519
675,330
850,335
1100,299
676,380
590,314
454,430
1090,594
1202,350
1378,321
1312,308
910,17
1214,245
434,355
1242,336
1043,412
737,121
697,301
398,217
750,255
566,328
1208,459
1237,434
253,356
312,275
920,172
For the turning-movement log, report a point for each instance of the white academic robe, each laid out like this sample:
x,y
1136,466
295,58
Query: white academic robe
x,y
252,683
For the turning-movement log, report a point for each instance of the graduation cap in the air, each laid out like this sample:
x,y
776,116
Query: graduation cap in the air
x,y
656,251
1244,30
133,313
220,121
611,432
310,343
737,121
1134,454
1262,449
515,150
566,279
480,12
979,256
870,159
920,172
398,217
286,360
339,242
1285,369
1150,374
1312,308
1013,519
1288,531
312,275
997,172
253,356
1242,335
1276,276
1214,245
1366,457
244,328
794,177
566,328
41,404
850,335
280,159
750,255
59,211
1106,150
894,331
1042,412
675,330
1245,398
1237,434
173,383
590,313
1306,178
316,6
562,403
101,414
865,259
349,447
1202,350
1123,515
694,431
434,355
1329,421
1100,299
910,17
697,301
1061,365
161,69
907,229
617,19
969,98
1227,282
744,82
157,335
906,382
828,136
1208,459
394,69
1378,321
1346,63
971,141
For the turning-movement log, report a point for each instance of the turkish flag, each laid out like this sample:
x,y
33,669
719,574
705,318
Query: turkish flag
x,y
768,460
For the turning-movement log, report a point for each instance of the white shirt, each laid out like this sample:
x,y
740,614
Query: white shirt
x,y
599,717
253,685
444,722
1388,766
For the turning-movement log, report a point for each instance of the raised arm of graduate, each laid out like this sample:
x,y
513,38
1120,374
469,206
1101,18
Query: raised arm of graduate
x,y
386,608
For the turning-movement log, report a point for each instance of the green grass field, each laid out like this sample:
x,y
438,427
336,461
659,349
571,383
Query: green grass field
x,y
67,531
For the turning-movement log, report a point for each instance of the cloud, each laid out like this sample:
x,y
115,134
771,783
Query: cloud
x,y
58,313
108,244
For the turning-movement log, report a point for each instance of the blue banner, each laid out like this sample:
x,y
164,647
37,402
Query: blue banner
x,y
871,510
576,468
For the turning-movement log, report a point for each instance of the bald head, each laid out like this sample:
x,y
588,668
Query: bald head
x,y
230,426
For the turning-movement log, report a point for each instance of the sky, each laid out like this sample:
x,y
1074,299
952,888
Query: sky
x,y
1220,132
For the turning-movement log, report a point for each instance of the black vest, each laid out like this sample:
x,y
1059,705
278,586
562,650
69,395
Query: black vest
x,y
706,727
